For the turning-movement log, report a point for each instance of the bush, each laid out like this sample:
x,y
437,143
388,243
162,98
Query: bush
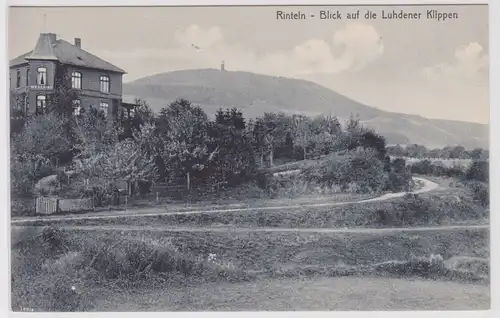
x,y
25,171
22,206
480,192
478,170
360,167
423,167
399,176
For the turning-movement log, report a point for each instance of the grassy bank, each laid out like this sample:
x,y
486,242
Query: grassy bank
x,y
422,210
62,271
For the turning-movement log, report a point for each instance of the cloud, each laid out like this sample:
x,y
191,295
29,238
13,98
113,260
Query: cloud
x,y
467,66
357,45
362,44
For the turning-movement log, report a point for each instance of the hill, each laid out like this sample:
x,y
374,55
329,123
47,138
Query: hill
x,y
255,94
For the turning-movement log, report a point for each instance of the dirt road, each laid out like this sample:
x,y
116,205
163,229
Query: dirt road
x,y
427,187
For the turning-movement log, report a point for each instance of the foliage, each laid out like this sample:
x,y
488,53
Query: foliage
x,y
26,170
62,98
235,160
185,140
455,152
43,135
478,170
126,160
93,133
359,167
17,113
480,192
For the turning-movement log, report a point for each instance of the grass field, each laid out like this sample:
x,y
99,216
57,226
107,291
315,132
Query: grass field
x,y
256,251
164,264
310,294
80,269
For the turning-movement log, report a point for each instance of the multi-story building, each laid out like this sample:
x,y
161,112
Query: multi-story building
x,y
33,76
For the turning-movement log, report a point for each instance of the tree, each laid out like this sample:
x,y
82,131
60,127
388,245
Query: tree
x,y
63,97
127,160
185,139
416,151
43,135
17,113
478,153
229,134
478,170
396,151
93,133
301,134
457,152
273,129
259,132
353,133
372,140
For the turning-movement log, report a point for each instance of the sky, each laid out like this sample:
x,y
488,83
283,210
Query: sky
x,y
436,69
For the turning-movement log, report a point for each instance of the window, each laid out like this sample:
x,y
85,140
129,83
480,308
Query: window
x,y
27,77
18,79
41,104
76,80
77,107
104,84
42,76
104,108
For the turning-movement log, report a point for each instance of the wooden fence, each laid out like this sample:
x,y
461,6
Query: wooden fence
x,y
48,205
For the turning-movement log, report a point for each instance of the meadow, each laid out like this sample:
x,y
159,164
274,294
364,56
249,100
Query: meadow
x,y
72,270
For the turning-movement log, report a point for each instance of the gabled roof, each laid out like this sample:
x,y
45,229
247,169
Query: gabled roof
x,y
47,48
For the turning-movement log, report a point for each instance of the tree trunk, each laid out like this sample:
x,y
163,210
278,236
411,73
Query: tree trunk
x,y
271,153
305,152
188,181
262,161
129,186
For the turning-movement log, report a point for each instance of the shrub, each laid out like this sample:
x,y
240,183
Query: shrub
x,y
455,170
480,192
22,206
397,182
478,170
361,167
422,167
25,171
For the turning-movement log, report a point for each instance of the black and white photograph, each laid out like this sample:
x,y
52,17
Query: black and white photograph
x,y
249,158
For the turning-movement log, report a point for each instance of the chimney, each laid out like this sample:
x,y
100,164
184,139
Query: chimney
x,y
222,66
78,42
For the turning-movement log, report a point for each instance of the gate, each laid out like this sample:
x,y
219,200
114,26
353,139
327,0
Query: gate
x,y
46,205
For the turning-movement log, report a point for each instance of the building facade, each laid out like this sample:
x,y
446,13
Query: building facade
x,y
34,75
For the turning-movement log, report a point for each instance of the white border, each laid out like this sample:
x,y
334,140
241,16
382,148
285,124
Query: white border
x,y
494,53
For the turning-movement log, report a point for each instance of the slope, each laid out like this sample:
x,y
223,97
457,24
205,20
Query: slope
x,y
255,94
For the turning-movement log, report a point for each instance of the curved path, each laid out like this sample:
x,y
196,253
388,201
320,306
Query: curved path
x,y
427,186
